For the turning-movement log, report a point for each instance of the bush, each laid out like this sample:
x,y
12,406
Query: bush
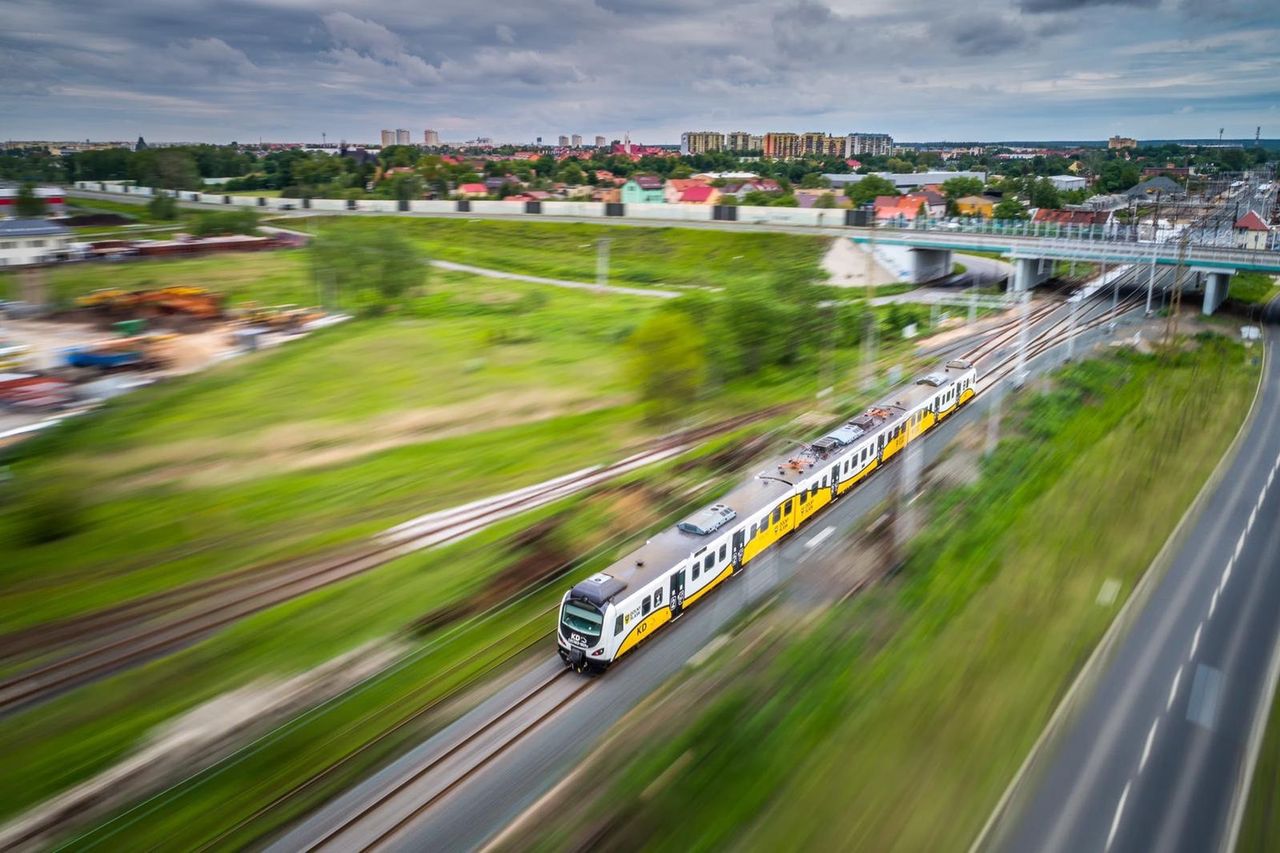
x,y
242,221
163,206
49,511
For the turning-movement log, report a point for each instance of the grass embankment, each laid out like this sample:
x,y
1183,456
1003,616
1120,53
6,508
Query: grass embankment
x,y
1253,288
896,722
1260,831
638,256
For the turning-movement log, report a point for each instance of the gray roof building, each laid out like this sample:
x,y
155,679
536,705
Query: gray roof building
x,y
1159,184
31,228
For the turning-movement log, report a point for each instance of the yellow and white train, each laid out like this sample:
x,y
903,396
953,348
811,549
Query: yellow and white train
x,y
607,615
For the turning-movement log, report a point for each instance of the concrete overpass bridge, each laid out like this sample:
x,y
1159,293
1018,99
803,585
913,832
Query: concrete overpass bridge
x,y
1033,256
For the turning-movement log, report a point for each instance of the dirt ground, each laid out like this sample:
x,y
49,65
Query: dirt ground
x,y
47,338
846,266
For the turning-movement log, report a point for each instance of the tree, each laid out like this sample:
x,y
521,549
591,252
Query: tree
x,y
826,201
866,190
667,362
163,206
728,199
1043,193
1009,208
371,269
166,168
955,188
814,180
29,205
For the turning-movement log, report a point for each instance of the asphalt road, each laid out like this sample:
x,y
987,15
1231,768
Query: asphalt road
x,y
1155,757
501,790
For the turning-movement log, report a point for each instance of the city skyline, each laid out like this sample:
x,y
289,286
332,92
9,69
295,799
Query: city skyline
x,y
1144,68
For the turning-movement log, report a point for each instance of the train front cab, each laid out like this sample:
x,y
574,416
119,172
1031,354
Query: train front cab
x,y
581,633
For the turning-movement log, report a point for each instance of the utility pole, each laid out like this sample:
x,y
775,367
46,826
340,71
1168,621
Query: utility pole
x,y
1151,281
993,418
1071,329
1020,374
602,262
869,340
1115,295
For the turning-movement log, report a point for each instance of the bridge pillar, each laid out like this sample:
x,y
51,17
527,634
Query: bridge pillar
x,y
928,264
1216,284
1029,272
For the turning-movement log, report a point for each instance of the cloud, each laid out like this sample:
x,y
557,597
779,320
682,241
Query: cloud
x,y
918,69
1040,6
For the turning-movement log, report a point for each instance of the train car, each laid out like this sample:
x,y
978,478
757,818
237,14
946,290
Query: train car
x,y
609,614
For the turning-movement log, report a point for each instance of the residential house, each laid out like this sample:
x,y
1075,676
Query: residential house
x,y
809,198
975,205
643,189
935,199
474,190
700,194
605,178
675,187
901,208
1251,232
607,194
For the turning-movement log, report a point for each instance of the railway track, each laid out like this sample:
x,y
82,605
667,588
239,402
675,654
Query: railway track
x,y
144,630
379,821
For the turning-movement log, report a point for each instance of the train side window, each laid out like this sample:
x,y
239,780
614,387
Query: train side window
x,y
697,570
753,531
804,496
724,551
644,606
786,507
657,597
776,516
709,561
617,626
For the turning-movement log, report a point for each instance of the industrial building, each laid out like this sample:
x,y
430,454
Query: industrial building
x,y
33,241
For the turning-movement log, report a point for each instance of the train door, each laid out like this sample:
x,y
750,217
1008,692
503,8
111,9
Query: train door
x,y
739,545
880,447
677,593
835,481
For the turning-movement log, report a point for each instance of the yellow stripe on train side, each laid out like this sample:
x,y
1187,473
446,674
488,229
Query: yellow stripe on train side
x,y
642,629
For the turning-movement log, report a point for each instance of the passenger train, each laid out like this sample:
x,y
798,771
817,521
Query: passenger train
x,y
609,614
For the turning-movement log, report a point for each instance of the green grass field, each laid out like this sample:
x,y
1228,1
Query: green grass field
x,y
661,257
1253,288
1260,831
365,422
270,278
895,723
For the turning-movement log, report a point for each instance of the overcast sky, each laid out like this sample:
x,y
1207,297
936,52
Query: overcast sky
x,y
516,69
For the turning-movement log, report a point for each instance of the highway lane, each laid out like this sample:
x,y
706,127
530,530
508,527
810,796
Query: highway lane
x,y
1154,759
495,795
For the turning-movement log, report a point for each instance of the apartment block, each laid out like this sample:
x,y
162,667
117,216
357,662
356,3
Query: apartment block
x,y
701,141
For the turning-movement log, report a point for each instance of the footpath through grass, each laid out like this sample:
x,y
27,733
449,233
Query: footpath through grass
x,y
1260,831
896,722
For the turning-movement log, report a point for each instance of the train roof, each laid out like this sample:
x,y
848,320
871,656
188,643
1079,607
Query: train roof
x,y
749,498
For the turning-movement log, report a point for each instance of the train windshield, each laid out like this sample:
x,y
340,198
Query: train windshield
x,y
580,619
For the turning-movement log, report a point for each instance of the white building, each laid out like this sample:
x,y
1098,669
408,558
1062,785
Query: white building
x,y
431,137
1251,232
32,241
402,137
577,140
1066,183
388,138
857,144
